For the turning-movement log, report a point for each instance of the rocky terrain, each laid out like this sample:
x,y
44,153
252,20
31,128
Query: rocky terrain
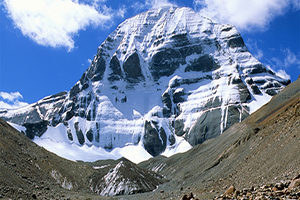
x,y
164,80
289,189
28,171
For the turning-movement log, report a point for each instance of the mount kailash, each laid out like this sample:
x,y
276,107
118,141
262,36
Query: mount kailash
x,y
163,81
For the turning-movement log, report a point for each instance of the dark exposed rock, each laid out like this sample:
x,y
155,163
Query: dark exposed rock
x,y
70,136
180,40
191,49
89,135
79,133
244,93
271,92
154,139
285,82
35,129
74,90
206,127
96,70
178,96
178,126
132,68
164,63
236,41
172,139
83,79
116,69
97,136
259,81
204,63
233,115
85,86
249,81
255,89
237,80
258,68
166,99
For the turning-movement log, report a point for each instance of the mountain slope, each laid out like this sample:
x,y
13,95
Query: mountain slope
x,y
162,81
28,171
262,149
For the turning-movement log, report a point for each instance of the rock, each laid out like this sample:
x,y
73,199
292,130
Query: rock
x,y
185,197
132,68
97,69
258,68
271,92
203,63
294,184
116,69
255,89
36,129
152,139
296,177
230,191
206,127
164,63
236,41
178,126
70,136
89,135
79,133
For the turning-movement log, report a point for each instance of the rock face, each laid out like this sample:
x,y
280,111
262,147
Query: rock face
x,y
124,178
191,76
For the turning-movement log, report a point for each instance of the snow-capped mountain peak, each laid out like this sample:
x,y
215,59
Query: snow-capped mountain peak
x,y
163,80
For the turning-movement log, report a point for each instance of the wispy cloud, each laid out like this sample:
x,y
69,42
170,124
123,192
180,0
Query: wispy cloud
x,y
289,59
245,14
159,3
11,100
54,22
254,49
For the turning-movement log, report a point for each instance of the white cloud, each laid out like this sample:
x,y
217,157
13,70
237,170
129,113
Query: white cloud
x,y
11,100
159,3
10,96
245,14
54,22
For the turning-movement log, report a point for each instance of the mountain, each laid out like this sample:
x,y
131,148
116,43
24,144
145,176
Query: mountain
x,y
28,171
261,153
164,80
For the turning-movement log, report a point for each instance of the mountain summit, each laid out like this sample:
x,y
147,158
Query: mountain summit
x,y
162,81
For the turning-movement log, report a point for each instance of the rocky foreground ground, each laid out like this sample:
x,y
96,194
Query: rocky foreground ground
x,y
288,189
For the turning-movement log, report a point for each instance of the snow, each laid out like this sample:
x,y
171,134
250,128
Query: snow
x,y
18,127
74,152
259,101
180,147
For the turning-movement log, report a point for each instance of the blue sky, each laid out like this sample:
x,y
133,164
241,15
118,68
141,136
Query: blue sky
x,y
46,45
